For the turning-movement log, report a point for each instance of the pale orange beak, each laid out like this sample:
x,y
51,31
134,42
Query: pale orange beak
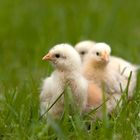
x,y
105,57
47,57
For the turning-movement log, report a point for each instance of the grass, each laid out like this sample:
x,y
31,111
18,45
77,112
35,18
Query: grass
x,y
27,30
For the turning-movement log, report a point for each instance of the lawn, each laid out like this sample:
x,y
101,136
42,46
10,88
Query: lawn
x,y
27,30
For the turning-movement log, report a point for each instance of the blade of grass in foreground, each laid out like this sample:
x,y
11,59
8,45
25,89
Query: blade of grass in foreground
x,y
94,110
51,106
55,126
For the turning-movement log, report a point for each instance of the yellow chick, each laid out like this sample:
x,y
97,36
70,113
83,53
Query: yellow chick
x,y
110,73
123,67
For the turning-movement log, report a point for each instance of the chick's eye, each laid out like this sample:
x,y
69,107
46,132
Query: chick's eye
x,y
82,52
57,55
97,53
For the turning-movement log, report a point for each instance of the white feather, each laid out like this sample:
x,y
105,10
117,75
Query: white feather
x,y
125,68
52,87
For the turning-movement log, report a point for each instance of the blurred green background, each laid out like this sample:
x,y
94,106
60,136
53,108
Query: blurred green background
x,y
29,28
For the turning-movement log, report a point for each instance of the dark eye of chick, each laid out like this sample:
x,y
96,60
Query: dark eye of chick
x,y
83,52
97,53
57,55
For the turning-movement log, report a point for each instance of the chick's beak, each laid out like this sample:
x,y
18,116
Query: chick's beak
x,y
105,57
47,57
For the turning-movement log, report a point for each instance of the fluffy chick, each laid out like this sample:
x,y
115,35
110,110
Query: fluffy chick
x,y
67,65
109,71
83,48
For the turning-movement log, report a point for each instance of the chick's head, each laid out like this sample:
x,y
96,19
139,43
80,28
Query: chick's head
x,y
83,47
64,57
100,53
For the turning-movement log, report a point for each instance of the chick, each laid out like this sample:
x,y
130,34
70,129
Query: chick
x,y
124,67
112,72
67,65
83,48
